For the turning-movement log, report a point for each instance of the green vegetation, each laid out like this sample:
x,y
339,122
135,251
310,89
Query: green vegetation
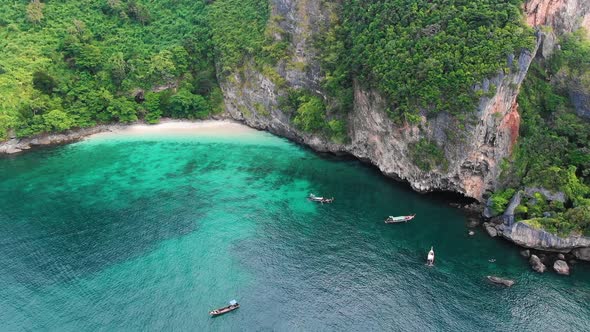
x,y
427,155
429,54
309,114
77,63
500,200
238,30
553,151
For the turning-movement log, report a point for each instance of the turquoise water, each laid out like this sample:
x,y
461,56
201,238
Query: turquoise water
x,y
150,233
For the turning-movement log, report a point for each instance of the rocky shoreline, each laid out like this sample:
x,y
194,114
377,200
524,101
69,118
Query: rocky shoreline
x,y
16,145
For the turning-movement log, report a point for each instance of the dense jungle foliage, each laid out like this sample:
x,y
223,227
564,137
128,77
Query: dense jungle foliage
x,y
77,63
553,151
428,55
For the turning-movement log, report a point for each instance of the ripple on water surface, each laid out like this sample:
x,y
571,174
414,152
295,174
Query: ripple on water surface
x,y
150,231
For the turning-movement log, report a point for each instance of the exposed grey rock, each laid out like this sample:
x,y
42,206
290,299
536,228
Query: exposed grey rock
x,y
528,237
490,229
501,281
487,211
558,196
561,257
514,202
525,253
549,40
536,264
561,267
582,253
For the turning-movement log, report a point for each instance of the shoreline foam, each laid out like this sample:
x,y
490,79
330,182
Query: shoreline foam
x,y
166,127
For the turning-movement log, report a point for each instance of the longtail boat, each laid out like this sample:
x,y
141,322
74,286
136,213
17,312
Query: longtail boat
x,y
233,305
430,257
319,199
395,220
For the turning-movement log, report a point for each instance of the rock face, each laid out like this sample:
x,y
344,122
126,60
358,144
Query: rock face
x,y
528,237
536,264
562,15
489,136
561,267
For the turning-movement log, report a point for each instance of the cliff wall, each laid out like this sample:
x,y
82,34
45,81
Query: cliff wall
x,y
562,15
473,148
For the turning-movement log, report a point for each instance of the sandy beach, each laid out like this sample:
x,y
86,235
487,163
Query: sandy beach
x,y
171,127
166,128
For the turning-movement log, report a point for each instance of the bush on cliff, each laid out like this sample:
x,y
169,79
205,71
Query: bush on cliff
x,y
428,155
499,201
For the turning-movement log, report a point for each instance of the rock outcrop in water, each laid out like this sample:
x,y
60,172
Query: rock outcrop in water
x,y
528,237
561,267
536,264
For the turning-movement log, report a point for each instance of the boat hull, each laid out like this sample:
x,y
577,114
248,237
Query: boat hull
x,y
224,310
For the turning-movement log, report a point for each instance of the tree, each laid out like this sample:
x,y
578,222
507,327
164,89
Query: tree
x,y
138,12
57,120
184,104
90,58
122,110
117,66
310,114
152,106
43,82
35,11
162,66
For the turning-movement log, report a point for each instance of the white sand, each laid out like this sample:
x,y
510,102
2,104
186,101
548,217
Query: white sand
x,y
224,128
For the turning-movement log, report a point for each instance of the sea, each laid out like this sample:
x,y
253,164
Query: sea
x,y
151,232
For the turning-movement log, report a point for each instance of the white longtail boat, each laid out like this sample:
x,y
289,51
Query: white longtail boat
x,y
319,199
394,220
430,257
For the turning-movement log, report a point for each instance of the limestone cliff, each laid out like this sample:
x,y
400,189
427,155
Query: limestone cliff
x,y
562,15
473,151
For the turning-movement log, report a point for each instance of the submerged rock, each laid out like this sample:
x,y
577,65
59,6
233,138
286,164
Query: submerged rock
x,y
490,229
582,253
525,253
536,264
561,267
501,281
